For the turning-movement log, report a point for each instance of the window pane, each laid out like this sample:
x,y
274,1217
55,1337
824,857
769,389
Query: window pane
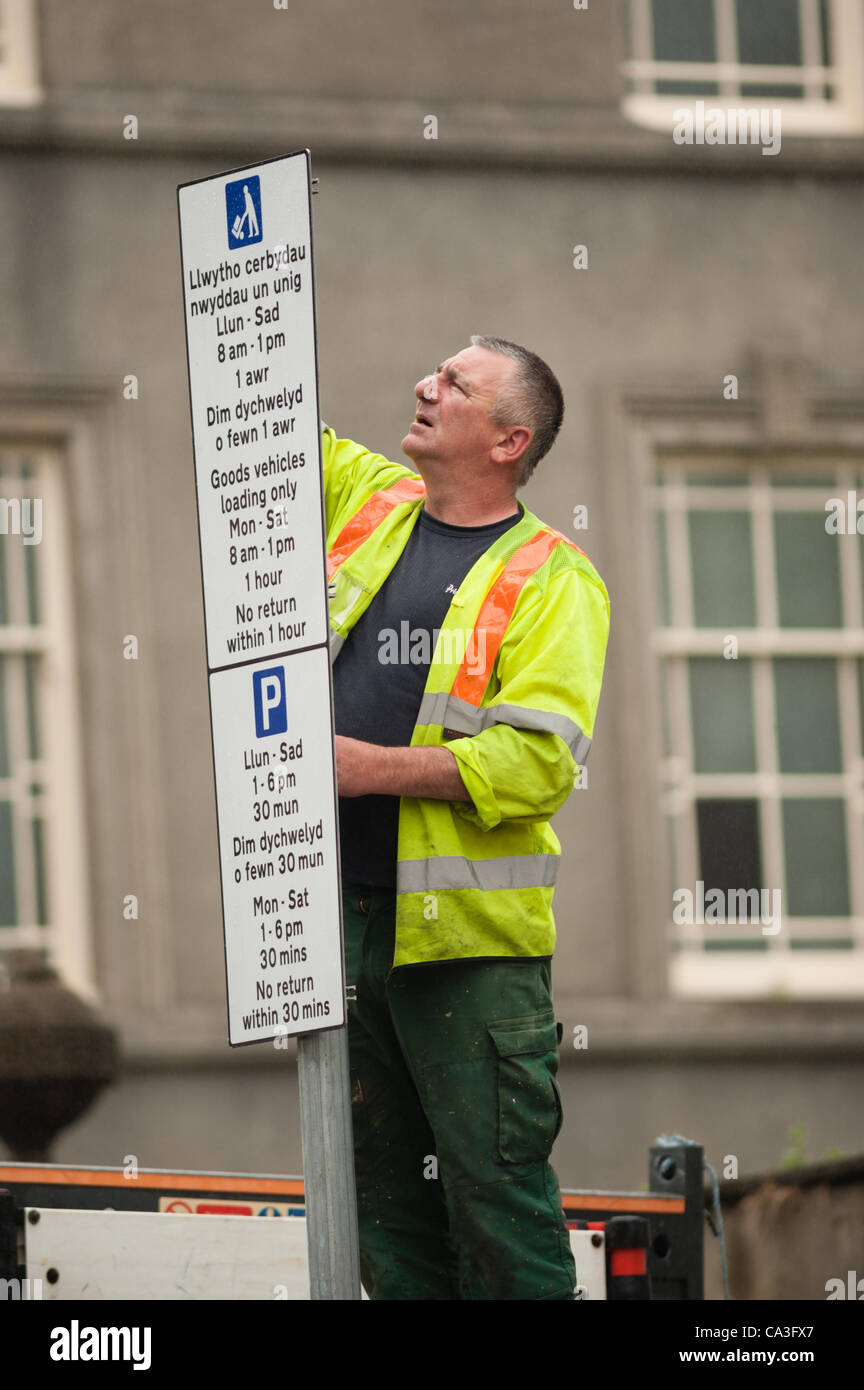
x,y
793,90
31,687
817,879
39,870
32,584
684,31
787,477
808,571
729,852
768,31
822,943
737,943
665,87
7,868
663,571
721,707
808,715
4,601
721,559
825,31
4,730
694,478
667,676
30,564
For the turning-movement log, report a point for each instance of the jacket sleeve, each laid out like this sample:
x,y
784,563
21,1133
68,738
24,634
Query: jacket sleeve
x,y
351,475
550,669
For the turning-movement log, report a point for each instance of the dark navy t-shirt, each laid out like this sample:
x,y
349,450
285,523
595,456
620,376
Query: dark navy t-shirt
x,y
380,674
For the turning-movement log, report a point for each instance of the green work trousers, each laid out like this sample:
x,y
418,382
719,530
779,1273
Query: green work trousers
x,y
455,1109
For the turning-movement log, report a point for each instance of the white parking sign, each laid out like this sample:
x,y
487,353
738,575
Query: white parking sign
x,y
246,242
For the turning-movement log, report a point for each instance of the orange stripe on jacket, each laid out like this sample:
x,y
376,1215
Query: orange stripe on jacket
x,y
497,610
370,515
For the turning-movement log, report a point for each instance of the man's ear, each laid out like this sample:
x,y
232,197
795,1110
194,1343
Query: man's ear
x,y
513,445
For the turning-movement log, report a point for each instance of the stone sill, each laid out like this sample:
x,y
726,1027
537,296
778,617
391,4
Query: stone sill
x,y
195,1036
620,1030
684,1031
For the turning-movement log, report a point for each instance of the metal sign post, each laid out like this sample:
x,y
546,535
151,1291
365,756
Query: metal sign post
x,y
246,245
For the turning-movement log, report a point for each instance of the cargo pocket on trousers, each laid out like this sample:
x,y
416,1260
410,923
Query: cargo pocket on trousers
x,y
529,1102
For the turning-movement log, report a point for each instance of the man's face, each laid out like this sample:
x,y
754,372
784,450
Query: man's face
x,y
451,422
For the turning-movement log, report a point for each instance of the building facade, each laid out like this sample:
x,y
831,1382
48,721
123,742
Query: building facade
x,y
556,176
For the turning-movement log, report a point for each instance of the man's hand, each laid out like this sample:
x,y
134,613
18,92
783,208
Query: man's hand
x,y
372,769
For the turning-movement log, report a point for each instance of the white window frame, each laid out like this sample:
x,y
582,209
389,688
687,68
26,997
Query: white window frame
x,y
812,115
19,63
694,972
59,769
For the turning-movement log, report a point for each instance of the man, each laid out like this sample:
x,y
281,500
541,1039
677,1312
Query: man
x,y
469,640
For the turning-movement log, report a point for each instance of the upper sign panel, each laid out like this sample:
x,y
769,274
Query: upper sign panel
x,y
250,324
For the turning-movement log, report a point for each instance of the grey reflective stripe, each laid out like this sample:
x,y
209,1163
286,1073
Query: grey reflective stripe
x,y
546,720
337,642
433,707
465,718
452,871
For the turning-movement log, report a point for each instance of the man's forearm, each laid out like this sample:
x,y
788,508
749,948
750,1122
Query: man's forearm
x,y
372,769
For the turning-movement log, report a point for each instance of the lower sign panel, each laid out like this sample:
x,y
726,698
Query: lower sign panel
x,y
107,1255
276,803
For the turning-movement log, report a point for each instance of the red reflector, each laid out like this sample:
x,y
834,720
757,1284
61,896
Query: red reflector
x,y
627,1262
216,1209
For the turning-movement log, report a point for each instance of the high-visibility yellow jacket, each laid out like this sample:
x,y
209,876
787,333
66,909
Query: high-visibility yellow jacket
x,y
475,879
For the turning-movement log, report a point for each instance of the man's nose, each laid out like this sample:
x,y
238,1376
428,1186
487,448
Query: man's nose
x,y
427,389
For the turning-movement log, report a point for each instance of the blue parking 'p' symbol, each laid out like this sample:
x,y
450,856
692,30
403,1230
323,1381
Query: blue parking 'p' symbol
x,y
271,712
243,210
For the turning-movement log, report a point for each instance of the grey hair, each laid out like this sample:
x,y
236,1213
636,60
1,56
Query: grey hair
x,y
532,397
